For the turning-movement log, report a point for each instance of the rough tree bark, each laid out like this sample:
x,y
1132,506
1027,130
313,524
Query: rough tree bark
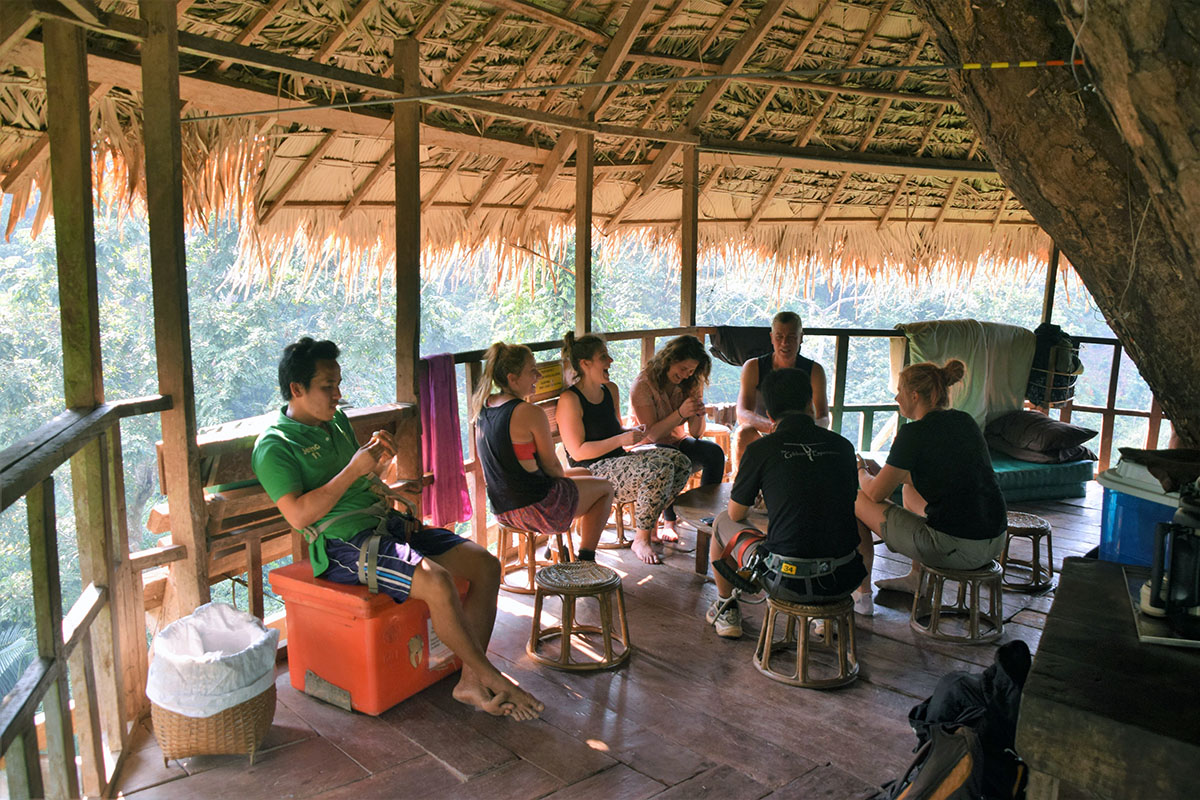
x,y
1104,158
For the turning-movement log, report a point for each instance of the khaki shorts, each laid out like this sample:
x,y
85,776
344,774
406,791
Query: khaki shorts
x,y
910,534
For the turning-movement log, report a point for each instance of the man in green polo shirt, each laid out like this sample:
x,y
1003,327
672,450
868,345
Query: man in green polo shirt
x,y
311,465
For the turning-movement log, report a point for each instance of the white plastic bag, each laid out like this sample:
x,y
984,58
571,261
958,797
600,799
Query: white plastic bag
x,y
211,660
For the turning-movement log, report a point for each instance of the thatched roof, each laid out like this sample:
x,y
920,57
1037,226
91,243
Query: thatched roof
x,y
883,173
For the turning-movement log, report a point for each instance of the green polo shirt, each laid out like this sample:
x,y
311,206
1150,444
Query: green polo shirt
x,y
290,456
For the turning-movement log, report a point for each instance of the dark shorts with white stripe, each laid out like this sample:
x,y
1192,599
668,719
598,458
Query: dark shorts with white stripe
x,y
398,556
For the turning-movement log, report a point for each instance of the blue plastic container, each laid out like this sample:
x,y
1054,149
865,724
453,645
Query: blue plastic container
x,y
1130,511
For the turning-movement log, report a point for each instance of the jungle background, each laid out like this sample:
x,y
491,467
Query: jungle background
x,y
238,334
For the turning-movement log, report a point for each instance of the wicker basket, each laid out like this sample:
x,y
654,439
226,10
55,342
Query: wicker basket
x,y
236,730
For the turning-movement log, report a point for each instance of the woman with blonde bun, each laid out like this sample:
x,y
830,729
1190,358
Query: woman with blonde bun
x,y
595,437
953,515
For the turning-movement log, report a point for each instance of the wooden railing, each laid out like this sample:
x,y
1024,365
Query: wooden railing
x,y
94,657
839,408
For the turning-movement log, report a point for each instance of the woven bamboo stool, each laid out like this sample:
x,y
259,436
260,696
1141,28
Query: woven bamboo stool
x,y
572,582
721,435
527,562
1035,529
620,509
838,637
930,611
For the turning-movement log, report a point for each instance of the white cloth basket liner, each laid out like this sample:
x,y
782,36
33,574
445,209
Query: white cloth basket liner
x,y
211,660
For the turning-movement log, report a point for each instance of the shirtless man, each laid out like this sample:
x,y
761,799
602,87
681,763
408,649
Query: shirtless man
x,y
311,465
787,333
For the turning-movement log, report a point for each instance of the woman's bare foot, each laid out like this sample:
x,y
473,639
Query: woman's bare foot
x,y
643,550
907,583
667,533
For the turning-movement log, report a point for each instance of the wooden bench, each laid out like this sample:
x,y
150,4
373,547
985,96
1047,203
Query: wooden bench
x,y
244,529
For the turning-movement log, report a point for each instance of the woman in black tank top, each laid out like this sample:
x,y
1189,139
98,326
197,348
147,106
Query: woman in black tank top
x,y
525,481
595,437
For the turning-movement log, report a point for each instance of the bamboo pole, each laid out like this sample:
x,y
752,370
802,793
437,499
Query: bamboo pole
x,y
689,239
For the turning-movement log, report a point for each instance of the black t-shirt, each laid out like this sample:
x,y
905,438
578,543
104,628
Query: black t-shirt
x,y
948,460
808,478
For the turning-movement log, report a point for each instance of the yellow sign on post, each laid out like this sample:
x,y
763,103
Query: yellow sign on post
x,y
551,381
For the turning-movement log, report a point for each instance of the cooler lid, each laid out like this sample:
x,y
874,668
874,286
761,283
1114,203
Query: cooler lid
x,y
1135,479
295,582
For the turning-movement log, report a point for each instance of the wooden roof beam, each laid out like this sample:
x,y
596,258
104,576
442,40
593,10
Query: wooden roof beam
x,y
17,21
937,117
486,190
307,167
719,26
810,129
442,180
360,12
377,172
434,16
1003,207
480,42
547,17
750,154
954,186
734,62
613,56
37,151
256,26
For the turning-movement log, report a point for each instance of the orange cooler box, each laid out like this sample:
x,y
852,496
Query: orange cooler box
x,y
378,650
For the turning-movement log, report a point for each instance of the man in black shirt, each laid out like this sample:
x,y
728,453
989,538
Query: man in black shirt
x,y
807,476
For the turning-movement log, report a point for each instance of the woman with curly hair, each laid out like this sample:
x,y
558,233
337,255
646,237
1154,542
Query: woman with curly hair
x,y
668,399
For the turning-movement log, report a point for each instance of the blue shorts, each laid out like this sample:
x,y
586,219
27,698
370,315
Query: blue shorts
x,y
397,560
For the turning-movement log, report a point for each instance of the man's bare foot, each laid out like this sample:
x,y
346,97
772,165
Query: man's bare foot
x,y
907,583
524,706
645,552
473,693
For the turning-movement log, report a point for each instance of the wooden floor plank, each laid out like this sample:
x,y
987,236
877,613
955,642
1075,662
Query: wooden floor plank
x,y
719,783
424,773
458,746
514,779
619,781
825,783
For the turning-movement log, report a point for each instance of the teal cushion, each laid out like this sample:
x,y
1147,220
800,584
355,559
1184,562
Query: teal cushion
x,y
1023,480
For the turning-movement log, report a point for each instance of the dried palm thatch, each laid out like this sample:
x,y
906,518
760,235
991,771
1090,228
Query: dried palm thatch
x,y
839,171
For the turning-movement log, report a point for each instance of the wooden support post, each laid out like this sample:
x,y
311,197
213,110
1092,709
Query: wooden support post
x,y
23,767
584,162
1109,418
475,483
841,357
168,269
69,129
647,350
1048,294
128,602
85,695
62,780
406,129
688,237
1154,424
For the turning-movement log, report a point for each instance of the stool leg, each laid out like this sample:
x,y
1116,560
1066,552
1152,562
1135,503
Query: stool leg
x,y
624,620
1004,555
1049,558
535,634
606,626
843,662
853,646
568,624
973,611
937,589
530,547
802,647
766,638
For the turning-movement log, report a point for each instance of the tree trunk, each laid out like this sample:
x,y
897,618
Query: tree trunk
x,y
1104,157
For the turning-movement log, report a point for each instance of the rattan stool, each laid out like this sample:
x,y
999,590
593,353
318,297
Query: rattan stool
x,y
525,548
838,617
930,612
620,509
1033,528
571,582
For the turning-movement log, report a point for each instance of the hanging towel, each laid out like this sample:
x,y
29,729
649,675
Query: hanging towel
x,y
446,501
997,358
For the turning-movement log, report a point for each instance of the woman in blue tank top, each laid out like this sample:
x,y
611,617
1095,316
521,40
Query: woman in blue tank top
x,y
595,437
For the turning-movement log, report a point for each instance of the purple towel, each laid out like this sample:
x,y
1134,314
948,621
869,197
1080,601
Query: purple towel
x,y
446,501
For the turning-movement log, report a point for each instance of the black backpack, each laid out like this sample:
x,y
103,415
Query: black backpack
x,y
982,709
